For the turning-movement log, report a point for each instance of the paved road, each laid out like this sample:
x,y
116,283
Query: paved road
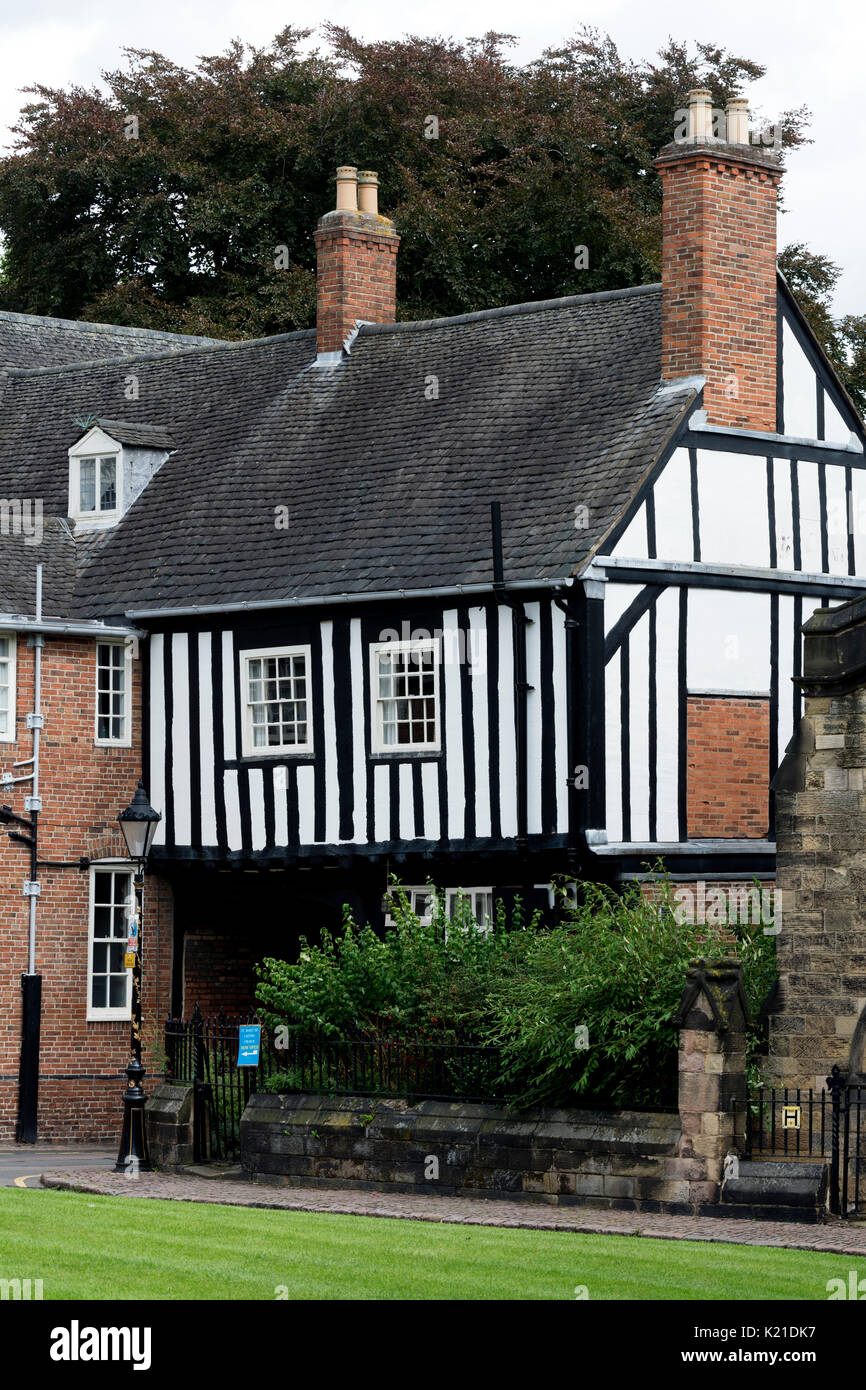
x,y
21,1164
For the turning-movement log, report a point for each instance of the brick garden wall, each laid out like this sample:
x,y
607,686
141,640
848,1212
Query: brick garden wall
x,y
83,788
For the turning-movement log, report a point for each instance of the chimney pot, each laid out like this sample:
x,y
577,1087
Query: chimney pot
x,y
368,192
737,121
347,188
700,127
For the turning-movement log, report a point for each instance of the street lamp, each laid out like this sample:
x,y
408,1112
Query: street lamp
x,y
138,824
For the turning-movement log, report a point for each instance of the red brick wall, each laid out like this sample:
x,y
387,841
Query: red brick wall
x,y
716,901
83,787
218,973
356,275
719,281
728,766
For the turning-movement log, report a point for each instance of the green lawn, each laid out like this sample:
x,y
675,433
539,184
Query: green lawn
x,y
121,1247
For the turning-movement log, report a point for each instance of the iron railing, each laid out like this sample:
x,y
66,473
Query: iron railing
x,y
788,1122
412,1066
203,1052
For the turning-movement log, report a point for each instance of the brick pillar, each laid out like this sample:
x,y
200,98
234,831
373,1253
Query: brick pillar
x,y
713,1016
719,276
821,861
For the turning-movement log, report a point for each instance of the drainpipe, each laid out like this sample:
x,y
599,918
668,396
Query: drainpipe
x,y
31,983
33,804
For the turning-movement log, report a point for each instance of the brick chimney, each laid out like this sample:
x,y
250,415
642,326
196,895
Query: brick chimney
x,y
356,262
719,264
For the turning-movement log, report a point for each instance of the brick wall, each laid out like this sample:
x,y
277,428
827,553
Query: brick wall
x,y
356,275
728,766
719,278
83,788
218,973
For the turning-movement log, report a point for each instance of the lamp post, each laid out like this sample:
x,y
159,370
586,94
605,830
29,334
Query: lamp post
x,y
138,824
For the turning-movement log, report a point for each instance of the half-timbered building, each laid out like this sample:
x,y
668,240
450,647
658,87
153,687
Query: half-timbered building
x,y
481,600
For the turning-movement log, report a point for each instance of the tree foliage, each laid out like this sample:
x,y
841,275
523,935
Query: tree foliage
x,y
179,227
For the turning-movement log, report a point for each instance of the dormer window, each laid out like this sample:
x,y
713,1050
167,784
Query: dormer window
x,y
97,484
110,465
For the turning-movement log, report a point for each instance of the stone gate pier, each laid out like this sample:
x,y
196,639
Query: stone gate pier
x,y
821,861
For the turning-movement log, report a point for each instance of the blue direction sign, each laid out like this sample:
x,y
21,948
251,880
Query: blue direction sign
x,y
249,1044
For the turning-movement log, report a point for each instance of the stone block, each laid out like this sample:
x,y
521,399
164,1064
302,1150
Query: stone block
x,y
588,1184
618,1186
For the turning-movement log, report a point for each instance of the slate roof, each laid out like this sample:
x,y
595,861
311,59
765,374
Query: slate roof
x,y
138,436
59,556
27,340
386,462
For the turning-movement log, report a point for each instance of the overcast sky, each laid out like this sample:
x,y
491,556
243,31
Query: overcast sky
x,y
813,53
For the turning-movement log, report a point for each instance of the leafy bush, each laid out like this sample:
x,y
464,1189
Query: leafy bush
x,y
614,964
420,976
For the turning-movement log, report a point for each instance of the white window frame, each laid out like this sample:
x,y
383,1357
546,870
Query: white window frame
x,y
126,740
453,894
414,891
11,638
75,509
378,746
248,749
107,1014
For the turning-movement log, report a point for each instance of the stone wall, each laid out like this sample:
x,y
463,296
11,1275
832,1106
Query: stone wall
x,y
168,1118
456,1148
821,861
626,1160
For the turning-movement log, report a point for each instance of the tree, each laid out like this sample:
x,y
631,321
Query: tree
x,y
812,279
186,198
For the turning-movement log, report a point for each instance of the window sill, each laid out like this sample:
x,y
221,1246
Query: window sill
x,y
275,755
389,754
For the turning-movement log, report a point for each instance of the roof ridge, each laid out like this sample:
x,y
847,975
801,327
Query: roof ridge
x,y
92,326
209,345
529,306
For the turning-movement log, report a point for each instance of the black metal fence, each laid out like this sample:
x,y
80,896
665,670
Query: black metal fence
x,y
831,1125
460,1068
203,1052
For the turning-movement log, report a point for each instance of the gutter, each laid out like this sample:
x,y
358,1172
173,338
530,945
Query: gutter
x,y
319,601
59,628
